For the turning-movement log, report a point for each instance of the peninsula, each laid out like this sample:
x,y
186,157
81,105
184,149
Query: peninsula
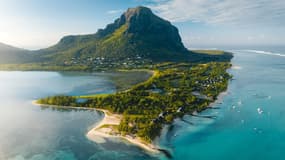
x,y
138,114
182,82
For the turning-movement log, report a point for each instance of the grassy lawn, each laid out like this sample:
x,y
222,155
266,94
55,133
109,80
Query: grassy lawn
x,y
93,95
210,52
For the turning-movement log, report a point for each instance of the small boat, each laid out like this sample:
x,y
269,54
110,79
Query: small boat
x,y
259,111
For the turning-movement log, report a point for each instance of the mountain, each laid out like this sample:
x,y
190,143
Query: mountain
x,y
10,54
138,32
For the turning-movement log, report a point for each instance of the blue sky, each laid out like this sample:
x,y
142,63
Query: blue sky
x,y
35,24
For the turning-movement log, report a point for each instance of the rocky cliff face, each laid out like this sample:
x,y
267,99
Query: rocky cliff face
x,y
137,32
143,25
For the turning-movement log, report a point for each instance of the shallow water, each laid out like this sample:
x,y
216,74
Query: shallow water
x,y
250,121
29,132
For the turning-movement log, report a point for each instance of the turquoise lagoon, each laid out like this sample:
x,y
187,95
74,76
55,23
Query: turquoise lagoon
x,y
248,121
29,132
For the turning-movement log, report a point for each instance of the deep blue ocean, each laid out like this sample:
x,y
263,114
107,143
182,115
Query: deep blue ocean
x,y
249,121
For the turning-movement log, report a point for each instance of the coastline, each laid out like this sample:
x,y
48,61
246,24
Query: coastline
x,y
219,99
104,129
108,126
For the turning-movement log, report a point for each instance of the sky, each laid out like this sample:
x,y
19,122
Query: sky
x,y
35,24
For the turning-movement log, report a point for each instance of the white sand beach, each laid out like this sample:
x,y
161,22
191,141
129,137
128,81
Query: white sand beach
x,y
106,128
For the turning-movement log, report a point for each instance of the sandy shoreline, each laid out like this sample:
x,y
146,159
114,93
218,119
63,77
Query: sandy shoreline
x,y
219,99
103,131
106,129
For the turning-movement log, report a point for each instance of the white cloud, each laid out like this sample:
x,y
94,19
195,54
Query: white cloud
x,y
244,12
115,11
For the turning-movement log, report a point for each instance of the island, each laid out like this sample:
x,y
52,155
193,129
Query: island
x,y
139,113
182,82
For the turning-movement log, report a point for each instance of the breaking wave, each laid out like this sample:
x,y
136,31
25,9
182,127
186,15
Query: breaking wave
x,y
265,52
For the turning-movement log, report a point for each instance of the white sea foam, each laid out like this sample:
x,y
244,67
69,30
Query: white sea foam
x,y
265,52
235,67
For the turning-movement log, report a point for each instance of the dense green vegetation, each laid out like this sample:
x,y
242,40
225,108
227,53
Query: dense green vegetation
x,y
175,89
98,64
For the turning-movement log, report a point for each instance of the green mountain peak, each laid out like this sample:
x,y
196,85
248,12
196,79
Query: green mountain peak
x,y
138,32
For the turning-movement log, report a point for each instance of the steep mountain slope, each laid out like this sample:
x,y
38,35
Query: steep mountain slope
x,y
10,54
138,32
